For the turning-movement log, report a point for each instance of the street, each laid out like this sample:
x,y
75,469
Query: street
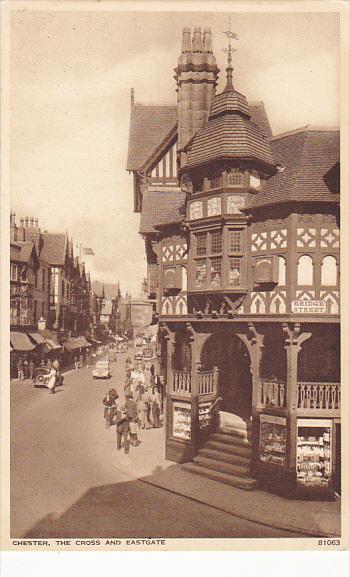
x,y
68,480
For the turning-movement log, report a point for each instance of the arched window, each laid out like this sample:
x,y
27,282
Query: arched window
x,y
329,271
281,271
305,270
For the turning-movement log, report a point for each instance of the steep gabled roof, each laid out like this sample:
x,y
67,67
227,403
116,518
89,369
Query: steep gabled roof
x,y
309,168
54,249
26,250
112,291
98,288
161,208
149,125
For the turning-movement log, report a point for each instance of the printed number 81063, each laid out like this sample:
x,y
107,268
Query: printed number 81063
x,y
329,542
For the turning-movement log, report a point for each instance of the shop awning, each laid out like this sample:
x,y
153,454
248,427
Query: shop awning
x,y
93,341
36,337
21,342
51,344
71,345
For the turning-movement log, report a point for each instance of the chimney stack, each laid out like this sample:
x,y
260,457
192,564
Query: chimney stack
x,y
26,220
31,221
196,76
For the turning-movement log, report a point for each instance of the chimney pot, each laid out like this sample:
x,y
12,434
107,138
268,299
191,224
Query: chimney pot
x,y
186,40
31,220
197,45
22,221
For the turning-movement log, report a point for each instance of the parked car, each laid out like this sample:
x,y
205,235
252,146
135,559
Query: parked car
x,y
40,377
138,356
102,370
148,353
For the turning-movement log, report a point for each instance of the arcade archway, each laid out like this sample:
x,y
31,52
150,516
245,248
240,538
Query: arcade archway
x,y
229,354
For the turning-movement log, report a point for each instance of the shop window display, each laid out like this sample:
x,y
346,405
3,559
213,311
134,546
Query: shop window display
x,y
182,420
234,274
204,415
215,273
314,452
272,440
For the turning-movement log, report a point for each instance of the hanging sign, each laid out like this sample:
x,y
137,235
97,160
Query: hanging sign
x,y
308,306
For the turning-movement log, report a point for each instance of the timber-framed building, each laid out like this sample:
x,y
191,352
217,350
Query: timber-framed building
x,y
241,232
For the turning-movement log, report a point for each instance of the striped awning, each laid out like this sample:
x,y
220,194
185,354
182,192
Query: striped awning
x,y
20,342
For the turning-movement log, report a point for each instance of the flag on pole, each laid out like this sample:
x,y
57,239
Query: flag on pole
x,y
87,251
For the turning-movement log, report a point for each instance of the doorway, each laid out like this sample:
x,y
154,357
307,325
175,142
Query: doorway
x,y
230,355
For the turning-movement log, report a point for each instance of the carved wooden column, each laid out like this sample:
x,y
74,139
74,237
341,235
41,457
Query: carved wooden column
x,y
254,342
294,341
170,338
196,342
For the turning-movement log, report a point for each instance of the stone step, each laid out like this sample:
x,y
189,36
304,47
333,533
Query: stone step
x,y
228,468
230,439
242,434
244,483
229,448
225,457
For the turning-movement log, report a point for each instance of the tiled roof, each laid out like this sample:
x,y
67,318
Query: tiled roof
x,y
149,125
111,291
309,160
25,252
229,136
97,288
259,116
54,249
161,208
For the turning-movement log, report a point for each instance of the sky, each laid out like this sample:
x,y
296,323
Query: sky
x,y
70,80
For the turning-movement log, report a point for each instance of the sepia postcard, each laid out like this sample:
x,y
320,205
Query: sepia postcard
x,y
174,312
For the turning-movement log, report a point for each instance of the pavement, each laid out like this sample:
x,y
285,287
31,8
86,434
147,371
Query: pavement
x,y
77,484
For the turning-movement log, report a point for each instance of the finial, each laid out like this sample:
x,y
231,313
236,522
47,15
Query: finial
x,y
186,40
229,70
207,40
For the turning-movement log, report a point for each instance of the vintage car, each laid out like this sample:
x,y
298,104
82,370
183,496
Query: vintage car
x,y
138,356
40,377
102,370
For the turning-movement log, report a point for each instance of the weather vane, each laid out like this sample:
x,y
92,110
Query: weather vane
x,y
230,35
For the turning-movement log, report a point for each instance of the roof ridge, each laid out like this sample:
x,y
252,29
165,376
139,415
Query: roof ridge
x,y
306,128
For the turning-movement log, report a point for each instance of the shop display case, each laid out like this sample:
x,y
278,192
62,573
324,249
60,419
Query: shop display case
x,y
272,447
204,415
314,463
182,420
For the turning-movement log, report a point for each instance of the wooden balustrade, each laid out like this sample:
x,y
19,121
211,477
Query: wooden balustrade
x,y
272,393
181,382
318,396
207,382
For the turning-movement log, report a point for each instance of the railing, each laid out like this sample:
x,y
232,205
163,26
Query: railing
x,y
319,396
272,393
181,382
207,382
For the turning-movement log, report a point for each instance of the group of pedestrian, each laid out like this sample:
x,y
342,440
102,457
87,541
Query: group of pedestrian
x,y
80,359
25,368
142,407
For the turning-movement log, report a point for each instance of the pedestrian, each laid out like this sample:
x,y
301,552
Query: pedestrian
x,y
42,362
143,411
51,383
25,368
132,413
122,427
156,406
56,364
76,362
110,405
81,360
31,368
49,363
20,373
